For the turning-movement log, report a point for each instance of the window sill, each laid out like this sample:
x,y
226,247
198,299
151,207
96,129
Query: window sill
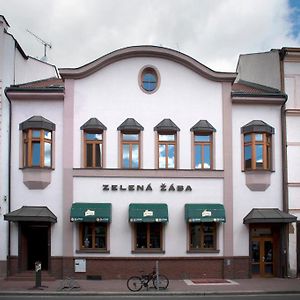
x,y
36,178
202,251
148,251
100,251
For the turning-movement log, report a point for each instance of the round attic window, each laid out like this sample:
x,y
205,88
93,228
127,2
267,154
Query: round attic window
x,y
149,79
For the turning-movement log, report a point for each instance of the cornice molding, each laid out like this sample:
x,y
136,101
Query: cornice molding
x,y
146,51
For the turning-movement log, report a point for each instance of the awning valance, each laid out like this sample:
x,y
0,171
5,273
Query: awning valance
x,y
268,215
205,213
31,214
91,212
148,212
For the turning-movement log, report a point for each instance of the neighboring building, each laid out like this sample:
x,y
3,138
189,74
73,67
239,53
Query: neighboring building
x,y
143,155
15,67
290,76
280,69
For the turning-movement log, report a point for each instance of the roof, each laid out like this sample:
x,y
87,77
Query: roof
x,y
252,89
268,215
166,125
52,82
203,125
93,124
31,214
131,124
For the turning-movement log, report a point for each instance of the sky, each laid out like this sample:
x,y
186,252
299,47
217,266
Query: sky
x,y
214,32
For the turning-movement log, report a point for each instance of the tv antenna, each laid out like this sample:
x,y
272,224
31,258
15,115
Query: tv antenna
x,y
46,44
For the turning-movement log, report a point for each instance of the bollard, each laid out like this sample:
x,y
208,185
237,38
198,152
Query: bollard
x,y
38,274
157,275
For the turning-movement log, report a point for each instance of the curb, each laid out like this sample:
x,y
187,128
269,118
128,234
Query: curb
x,y
168,293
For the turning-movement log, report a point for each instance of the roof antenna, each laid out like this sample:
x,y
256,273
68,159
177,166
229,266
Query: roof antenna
x,y
44,58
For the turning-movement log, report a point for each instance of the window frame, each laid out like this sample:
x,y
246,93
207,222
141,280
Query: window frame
x,y
27,147
202,144
267,146
93,248
148,248
93,143
131,143
166,144
201,248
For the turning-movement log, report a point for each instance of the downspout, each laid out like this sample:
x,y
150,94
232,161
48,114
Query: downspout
x,y
285,200
9,185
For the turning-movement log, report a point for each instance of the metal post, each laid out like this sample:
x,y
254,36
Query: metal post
x,y
157,275
38,274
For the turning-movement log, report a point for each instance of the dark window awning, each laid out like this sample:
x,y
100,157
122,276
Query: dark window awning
x,y
268,215
148,212
131,125
205,213
91,212
31,214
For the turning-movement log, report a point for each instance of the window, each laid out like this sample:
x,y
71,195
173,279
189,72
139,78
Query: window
x,y
167,151
257,145
130,143
93,146
37,142
149,79
203,150
37,151
148,236
167,144
203,135
93,236
202,236
93,134
257,151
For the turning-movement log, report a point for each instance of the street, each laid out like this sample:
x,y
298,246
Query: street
x,y
151,297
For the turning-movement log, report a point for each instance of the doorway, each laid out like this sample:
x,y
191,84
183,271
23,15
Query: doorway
x,y
34,246
262,256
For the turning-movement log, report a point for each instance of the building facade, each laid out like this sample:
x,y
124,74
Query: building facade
x,y
15,67
280,69
146,155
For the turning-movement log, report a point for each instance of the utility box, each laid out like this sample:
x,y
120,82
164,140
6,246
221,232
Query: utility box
x,y
80,265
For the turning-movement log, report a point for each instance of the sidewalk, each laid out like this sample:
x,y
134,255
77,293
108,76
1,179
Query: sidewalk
x,y
111,287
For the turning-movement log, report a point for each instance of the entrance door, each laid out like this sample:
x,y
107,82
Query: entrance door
x,y
262,256
35,246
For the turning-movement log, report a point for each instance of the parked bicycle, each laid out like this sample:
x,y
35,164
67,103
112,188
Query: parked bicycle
x,y
135,283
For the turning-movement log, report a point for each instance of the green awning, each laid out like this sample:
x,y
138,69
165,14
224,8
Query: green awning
x,y
205,213
148,212
91,212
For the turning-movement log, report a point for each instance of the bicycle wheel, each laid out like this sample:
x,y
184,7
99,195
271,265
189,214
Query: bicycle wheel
x,y
163,282
134,283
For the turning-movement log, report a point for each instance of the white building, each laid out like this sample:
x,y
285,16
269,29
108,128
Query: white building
x,y
15,67
142,155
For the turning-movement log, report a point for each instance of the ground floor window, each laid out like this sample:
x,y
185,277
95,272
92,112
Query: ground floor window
x,y
202,236
93,236
148,236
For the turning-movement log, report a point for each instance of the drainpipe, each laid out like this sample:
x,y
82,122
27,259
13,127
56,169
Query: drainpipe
x,y
9,186
285,199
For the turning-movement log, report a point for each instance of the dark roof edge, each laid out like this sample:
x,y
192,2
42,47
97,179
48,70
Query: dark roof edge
x,y
37,90
256,95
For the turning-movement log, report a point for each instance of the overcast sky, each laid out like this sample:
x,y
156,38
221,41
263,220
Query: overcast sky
x,y
214,32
